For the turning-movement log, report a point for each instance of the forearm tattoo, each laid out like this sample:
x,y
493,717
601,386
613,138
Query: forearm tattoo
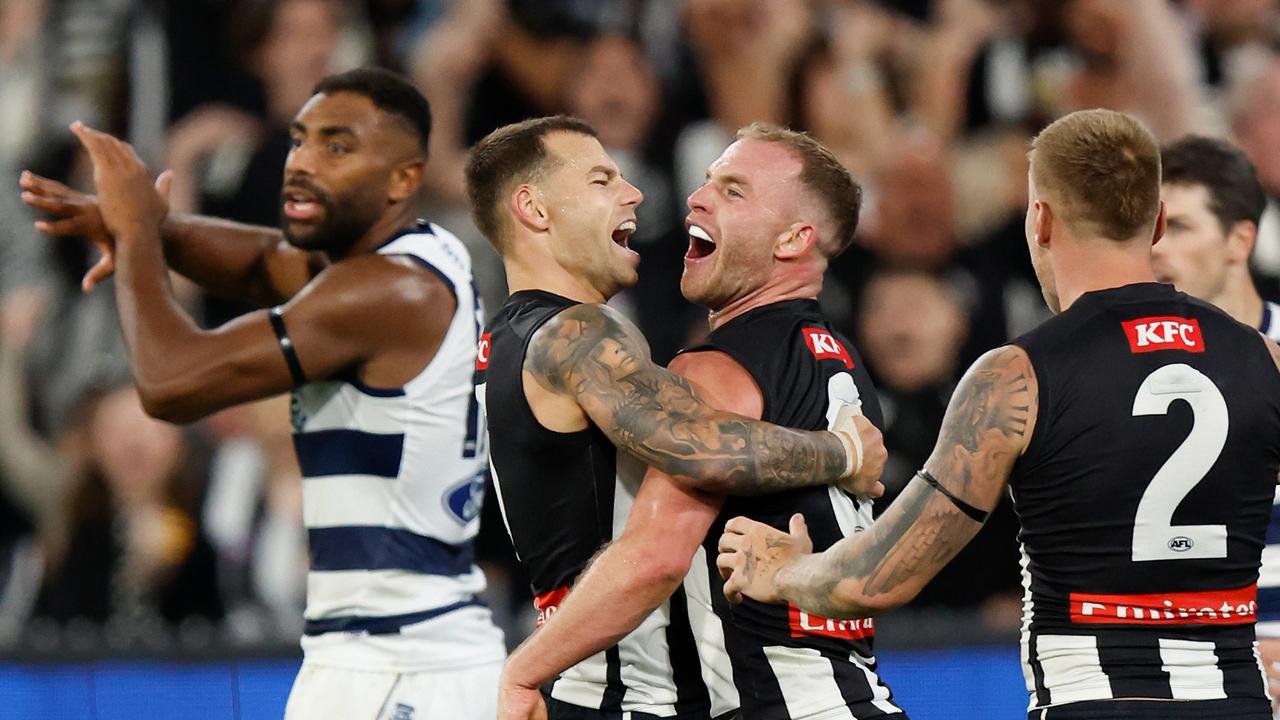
x,y
655,414
984,430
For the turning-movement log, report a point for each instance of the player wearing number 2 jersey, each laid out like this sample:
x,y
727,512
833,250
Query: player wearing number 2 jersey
x,y
1139,435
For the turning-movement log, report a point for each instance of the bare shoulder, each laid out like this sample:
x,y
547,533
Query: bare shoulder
x,y
995,402
721,380
374,293
587,341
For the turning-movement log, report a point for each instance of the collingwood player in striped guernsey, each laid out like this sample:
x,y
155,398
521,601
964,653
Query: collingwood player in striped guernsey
x,y
775,208
1214,203
1138,432
372,322
567,383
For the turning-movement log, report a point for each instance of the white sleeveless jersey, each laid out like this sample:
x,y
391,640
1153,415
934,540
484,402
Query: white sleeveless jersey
x,y
393,480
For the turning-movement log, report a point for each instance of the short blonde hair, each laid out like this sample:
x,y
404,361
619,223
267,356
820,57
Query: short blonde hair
x,y
1102,168
821,174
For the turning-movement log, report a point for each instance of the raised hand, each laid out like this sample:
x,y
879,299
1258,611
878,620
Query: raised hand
x,y
752,553
74,214
130,206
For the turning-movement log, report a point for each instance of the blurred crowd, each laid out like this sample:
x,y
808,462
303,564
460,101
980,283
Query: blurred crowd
x,y
124,530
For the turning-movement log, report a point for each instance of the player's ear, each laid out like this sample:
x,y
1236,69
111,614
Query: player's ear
x,y
406,180
1240,241
1044,223
795,241
1161,224
529,209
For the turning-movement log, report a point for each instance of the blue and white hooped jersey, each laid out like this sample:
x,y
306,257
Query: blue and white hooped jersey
x,y
393,479
1269,575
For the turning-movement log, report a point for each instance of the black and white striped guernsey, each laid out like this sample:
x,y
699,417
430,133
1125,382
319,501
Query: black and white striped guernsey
x,y
785,663
1143,497
562,498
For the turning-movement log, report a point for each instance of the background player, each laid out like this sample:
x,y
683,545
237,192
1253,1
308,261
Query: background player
x,y
566,380
1214,203
376,336
1139,433
776,207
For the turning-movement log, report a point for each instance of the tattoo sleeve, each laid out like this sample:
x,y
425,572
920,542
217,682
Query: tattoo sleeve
x,y
590,353
987,425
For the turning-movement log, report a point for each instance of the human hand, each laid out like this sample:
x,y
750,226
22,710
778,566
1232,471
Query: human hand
x,y
752,553
131,207
866,440
517,701
74,214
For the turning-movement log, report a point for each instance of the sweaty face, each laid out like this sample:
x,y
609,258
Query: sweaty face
x,y
748,201
592,212
1193,254
337,175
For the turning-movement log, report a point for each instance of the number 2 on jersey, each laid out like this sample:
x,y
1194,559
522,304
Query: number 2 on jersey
x,y
1155,537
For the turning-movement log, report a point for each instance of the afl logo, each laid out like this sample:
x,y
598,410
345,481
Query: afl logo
x,y
1181,543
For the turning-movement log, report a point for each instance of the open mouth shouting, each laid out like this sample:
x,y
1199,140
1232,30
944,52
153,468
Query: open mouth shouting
x,y
622,234
701,244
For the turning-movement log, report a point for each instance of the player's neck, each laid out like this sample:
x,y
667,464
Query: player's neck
x,y
1240,299
548,276
376,236
777,290
1099,266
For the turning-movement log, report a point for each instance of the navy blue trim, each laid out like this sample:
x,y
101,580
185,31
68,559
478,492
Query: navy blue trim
x,y
348,452
434,270
384,625
1266,318
1268,604
381,548
420,227
349,377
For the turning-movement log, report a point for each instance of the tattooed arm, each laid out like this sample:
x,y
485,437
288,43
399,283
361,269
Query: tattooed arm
x,y
987,426
595,357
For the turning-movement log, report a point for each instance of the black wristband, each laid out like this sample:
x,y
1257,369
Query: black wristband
x,y
974,513
286,346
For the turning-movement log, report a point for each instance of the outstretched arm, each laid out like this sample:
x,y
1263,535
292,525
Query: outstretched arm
x,y
352,312
230,259
591,354
987,426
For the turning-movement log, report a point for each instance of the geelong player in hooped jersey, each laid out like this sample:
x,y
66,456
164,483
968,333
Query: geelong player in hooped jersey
x,y
1214,204
775,208
1138,432
372,322
570,394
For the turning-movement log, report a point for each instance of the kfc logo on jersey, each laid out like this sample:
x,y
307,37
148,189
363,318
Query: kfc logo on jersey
x,y
1164,333
482,353
803,623
825,346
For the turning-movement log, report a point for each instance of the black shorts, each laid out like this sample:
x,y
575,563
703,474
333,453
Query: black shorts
x,y
1229,709
558,710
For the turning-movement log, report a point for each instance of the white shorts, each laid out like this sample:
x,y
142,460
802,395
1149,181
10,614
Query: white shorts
x,y
324,693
